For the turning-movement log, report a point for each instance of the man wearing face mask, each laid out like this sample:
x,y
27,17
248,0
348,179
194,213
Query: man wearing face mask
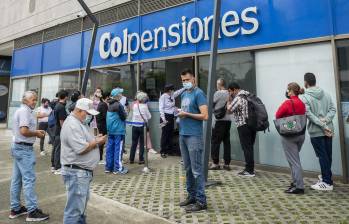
x,y
23,174
192,114
80,156
167,110
42,114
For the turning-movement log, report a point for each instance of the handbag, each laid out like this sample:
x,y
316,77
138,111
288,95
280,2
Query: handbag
x,y
220,112
291,126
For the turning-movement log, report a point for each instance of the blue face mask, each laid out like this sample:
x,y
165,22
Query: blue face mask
x,y
87,120
187,85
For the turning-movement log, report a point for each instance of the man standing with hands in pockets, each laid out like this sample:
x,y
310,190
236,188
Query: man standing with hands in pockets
x,y
23,174
79,157
192,114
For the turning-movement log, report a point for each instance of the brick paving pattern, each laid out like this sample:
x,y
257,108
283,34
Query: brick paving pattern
x,y
238,200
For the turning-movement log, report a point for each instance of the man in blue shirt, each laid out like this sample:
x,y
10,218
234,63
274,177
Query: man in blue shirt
x,y
192,114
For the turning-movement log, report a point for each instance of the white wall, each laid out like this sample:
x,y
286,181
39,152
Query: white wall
x,y
17,20
276,68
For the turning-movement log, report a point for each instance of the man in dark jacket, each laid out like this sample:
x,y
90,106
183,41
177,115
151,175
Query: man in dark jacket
x,y
101,119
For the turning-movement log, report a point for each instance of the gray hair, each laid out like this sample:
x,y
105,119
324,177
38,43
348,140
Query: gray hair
x,y
221,82
27,95
141,96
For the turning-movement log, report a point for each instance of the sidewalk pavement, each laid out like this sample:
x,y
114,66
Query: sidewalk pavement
x,y
154,197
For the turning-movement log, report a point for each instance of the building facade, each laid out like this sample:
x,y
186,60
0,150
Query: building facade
x,y
144,44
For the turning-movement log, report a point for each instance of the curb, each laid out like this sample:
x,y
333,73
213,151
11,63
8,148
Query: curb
x,y
121,213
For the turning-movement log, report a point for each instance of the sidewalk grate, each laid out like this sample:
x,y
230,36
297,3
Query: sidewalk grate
x,y
238,200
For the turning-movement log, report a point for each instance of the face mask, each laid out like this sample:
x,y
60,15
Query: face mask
x,y
87,119
187,85
287,96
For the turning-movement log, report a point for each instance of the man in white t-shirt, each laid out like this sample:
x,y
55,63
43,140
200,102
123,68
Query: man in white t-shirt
x,y
43,112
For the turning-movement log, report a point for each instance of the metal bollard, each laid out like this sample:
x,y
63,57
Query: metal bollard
x,y
146,168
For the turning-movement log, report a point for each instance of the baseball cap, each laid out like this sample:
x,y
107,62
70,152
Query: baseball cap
x,y
86,105
116,92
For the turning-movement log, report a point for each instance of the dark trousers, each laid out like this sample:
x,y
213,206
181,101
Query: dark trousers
x,y
44,126
247,139
323,150
137,136
221,133
56,153
167,134
101,130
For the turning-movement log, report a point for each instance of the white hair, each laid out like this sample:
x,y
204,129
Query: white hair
x,y
141,96
28,95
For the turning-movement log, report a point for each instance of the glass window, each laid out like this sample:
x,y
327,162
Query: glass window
x,y
50,85
155,75
34,85
276,68
18,89
69,81
343,66
237,67
109,78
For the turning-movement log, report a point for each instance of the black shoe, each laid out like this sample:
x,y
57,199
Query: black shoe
x,y
245,173
14,214
141,162
163,155
292,185
214,167
188,201
294,191
226,167
36,216
196,207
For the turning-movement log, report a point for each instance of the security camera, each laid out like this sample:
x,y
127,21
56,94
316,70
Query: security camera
x,y
80,14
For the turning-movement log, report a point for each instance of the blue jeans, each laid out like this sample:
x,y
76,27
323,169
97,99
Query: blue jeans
x,y
77,183
323,150
114,153
192,155
23,174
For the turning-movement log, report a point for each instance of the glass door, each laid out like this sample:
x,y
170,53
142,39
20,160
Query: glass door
x,y
343,67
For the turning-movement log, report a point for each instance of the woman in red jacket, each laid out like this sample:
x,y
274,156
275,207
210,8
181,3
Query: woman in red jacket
x,y
292,145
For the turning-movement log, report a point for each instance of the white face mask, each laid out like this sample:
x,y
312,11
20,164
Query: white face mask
x,y
187,85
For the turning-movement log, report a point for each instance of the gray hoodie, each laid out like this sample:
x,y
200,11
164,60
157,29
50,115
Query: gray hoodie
x,y
319,106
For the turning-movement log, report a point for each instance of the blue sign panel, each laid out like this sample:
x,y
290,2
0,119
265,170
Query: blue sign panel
x,y
27,61
62,54
186,29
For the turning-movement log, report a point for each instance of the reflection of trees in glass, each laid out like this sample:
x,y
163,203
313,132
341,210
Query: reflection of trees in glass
x,y
233,67
112,77
153,89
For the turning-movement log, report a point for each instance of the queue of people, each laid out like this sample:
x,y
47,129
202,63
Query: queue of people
x,y
77,151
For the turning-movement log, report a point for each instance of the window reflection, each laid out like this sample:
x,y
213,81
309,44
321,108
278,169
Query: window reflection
x,y
112,77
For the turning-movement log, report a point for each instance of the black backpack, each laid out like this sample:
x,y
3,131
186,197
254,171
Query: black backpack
x,y
257,113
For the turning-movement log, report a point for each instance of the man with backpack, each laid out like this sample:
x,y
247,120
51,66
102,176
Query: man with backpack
x,y
239,108
221,127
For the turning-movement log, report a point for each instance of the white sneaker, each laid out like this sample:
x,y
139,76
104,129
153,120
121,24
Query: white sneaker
x,y
58,172
322,186
43,153
153,151
320,177
53,170
102,162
